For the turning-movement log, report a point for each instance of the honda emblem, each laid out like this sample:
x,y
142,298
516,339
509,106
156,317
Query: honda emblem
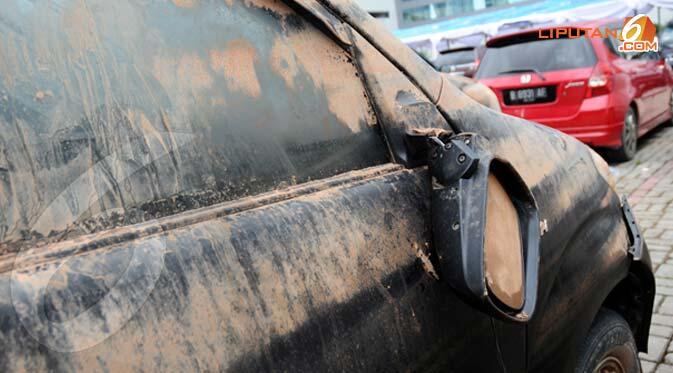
x,y
526,78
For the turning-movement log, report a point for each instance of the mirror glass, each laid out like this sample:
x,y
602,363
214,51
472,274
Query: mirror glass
x,y
503,249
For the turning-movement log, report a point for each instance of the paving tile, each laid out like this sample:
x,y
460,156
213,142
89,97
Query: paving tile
x,y
661,331
657,248
659,257
662,319
657,302
666,271
664,368
664,282
656,349
648,366
666,307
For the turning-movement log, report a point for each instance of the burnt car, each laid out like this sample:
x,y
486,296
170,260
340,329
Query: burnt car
x,y
270,185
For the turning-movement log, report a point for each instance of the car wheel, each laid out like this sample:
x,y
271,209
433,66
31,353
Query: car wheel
x,y
609,347
629,146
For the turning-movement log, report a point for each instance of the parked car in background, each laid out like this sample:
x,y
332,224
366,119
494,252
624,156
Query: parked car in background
x,y
283,186
666,42
458,61
472,88
582,86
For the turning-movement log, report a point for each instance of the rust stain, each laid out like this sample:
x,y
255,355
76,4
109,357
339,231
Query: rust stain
x,y
237,64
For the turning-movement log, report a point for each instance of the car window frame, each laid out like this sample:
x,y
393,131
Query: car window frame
x,y
319,18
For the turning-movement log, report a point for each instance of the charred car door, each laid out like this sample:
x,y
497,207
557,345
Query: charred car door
x,y
586,258
196,185
237,185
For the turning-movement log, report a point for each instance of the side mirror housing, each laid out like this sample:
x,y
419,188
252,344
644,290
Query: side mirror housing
x,y
486,228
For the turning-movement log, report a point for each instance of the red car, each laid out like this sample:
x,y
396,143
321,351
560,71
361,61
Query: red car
x,y
582,86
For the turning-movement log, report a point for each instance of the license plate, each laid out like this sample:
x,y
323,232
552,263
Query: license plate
x,y
533,95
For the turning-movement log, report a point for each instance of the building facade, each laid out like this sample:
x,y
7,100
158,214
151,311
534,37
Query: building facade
x,y
409,13
383,10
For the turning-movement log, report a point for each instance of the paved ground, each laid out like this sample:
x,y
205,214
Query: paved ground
x,y
648,180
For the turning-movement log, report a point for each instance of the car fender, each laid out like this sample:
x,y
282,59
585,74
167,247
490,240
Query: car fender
x,y
584,244
624,94
593,266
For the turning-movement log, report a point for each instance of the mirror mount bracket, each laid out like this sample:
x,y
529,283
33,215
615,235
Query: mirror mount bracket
x,y
453,160
459,168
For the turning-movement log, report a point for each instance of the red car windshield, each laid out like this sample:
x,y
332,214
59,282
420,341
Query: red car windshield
x,y
528,53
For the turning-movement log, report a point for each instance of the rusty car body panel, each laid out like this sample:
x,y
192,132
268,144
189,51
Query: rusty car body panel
x,y
225,185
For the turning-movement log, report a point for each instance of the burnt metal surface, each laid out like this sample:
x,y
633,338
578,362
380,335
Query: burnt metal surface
x,y
584,253
334,275
327,281
571,184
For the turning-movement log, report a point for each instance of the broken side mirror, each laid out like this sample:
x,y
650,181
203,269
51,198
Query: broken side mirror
x,y
485,226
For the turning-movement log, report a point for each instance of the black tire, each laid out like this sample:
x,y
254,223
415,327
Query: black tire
x,y
609,346
627,150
